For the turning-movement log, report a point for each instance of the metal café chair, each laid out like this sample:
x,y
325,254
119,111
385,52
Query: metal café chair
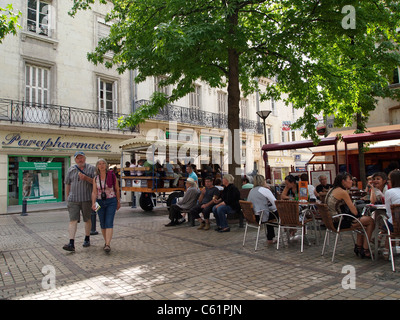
x,y
251,221
289,218
327,219
395,235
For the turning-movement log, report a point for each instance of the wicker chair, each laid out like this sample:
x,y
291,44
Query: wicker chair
x,y
289,218
327,219
251,221
395,235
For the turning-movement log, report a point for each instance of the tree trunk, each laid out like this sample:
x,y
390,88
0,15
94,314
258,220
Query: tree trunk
x,y
233,105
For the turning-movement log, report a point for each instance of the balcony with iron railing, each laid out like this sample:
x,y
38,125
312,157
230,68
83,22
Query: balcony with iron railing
x,y
56,115
199,117
62,116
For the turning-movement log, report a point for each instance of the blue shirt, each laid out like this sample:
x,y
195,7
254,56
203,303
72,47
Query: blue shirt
x,y
194,177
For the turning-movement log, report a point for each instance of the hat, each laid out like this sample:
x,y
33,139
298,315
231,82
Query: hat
x,y
79,153
191,180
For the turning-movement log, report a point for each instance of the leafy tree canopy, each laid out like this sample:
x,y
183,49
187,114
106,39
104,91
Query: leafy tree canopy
x,y
8,21
331,57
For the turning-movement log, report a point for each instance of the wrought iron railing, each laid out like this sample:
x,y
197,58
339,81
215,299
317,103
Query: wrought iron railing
x,y
62,116
201,118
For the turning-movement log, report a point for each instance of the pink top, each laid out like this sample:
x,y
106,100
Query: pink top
x,y
110,192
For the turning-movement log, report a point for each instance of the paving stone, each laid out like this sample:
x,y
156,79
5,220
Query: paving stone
x,y
151,262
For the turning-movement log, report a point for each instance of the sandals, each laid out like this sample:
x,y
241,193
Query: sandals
x,y
107,248
358,250
365,253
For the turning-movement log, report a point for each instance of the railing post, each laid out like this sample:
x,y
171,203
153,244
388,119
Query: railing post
x,y
60,116
69,117
12,107
22,113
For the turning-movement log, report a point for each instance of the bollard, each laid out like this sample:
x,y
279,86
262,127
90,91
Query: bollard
x,y
24,207
93,218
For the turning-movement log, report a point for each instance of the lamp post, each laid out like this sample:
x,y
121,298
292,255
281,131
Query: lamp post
x,y
263,114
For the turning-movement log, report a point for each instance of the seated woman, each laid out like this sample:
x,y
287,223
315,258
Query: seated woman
x,y
263,199
291,189
392,196
379,184
228,203
339,201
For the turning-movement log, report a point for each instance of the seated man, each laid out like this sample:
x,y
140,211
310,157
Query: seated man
x,y
322,189
188,201
205,203
192,174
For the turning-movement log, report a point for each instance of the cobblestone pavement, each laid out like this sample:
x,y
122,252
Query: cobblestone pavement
x,y
149,261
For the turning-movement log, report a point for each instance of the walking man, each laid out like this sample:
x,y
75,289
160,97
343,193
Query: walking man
x,y
78,186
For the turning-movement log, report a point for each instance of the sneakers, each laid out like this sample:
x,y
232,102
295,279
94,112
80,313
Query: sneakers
x,y
180,221
86,243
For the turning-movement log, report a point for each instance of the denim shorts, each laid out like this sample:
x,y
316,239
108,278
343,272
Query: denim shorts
x,y
107,212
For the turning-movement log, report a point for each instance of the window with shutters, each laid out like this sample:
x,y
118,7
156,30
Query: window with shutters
x,y
38,17
158,88
37,94
37,80
222,102
244,108
273,107
103,31
195,97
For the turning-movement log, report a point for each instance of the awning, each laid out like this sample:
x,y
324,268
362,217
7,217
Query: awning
x,y
380,137
331,141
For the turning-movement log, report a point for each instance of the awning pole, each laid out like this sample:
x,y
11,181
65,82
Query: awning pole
x,y
346,154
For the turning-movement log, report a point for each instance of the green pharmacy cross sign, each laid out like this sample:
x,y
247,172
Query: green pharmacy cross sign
x,y
40,182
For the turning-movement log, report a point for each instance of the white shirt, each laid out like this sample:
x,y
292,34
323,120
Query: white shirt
x,y
392,196
311,193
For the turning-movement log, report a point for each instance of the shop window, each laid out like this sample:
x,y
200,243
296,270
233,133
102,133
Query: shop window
x,y
36,179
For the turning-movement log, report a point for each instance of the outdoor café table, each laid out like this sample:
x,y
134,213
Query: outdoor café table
x,y
375,211
307,210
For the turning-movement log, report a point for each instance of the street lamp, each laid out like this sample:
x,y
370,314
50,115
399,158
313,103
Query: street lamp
x,y
263,114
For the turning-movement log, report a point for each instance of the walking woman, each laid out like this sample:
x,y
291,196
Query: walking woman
x,y
106,193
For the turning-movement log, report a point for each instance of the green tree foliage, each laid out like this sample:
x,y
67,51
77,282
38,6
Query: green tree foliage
x,y
322,65
8,21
